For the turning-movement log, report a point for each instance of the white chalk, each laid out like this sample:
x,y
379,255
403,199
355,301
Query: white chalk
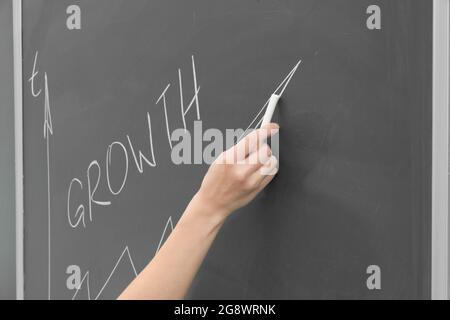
x,y
270,109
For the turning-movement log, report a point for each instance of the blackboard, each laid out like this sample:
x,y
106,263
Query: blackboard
x,y
354,188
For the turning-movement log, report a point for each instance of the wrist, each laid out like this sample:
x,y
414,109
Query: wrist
x,y
208,209
200,218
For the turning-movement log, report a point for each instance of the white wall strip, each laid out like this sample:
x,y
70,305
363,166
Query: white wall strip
x,y
439,268
18,100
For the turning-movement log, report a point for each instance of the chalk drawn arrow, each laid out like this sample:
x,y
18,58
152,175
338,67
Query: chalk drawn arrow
x,y
48,131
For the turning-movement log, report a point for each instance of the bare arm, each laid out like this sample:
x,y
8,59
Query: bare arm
x,y
228,186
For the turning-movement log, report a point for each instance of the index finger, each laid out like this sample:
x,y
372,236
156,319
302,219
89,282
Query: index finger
x,y
251,142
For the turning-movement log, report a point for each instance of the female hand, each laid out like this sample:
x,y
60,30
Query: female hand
x,y
239,174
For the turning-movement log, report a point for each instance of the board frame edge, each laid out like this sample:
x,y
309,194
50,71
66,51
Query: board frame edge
x,y
440,164
18,136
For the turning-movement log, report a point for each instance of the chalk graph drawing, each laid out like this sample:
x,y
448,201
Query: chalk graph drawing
x,y
165,234
258,119
124,258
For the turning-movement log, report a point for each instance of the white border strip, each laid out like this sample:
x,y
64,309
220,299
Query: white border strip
x,y
18,100
439,263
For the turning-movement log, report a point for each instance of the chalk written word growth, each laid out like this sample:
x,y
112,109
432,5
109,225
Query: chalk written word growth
x,y
94,174
141,159
187,149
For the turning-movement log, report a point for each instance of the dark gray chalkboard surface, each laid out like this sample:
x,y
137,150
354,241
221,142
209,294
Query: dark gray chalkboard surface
x,y
354,187
7,186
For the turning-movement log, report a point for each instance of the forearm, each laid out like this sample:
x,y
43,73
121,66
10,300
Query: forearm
x,y
171,272
225,188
